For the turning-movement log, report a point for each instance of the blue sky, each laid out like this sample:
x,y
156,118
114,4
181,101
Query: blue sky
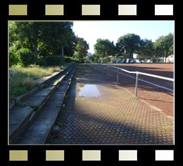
x,y
112,30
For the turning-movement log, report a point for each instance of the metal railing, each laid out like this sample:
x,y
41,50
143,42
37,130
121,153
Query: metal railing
x,y
99,66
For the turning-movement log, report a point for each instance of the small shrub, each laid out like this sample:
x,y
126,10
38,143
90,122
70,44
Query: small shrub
x,y
56,68
86,60
96,60
59,123
19,91
13,59
50,70
68,59
113,60
53,60
105,60
29,83
74,59
81,61
42,62
27,57
22,104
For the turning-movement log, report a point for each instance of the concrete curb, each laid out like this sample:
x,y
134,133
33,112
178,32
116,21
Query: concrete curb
x,y
51,129
39,130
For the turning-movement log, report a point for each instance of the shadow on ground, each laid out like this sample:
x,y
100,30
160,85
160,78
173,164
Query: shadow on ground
x,y
83,127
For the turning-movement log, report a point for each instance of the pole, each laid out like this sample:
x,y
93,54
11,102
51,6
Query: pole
x,y
136,85
62,51
107,72
117,75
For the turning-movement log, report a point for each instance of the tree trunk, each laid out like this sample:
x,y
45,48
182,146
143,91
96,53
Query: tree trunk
x,y
35,52
165,57
131,55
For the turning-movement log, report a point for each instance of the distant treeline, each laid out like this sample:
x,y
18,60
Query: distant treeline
x,y
129,44
31,42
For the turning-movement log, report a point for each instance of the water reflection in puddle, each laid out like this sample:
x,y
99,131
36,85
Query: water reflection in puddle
x,y
87,90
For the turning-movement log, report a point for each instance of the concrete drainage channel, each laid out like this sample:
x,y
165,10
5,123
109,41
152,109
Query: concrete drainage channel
x,y
33,122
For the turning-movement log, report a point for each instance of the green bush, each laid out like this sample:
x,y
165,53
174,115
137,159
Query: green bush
x,y
87,61
41,61
13,59
53,60
96,60
103,60
26,56
68,59
74,59
18,91
113,60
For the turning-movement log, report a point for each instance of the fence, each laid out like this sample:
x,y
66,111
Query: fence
x,y
169,59
118,70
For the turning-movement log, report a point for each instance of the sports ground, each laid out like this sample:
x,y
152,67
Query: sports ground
x,y
160,98
161,69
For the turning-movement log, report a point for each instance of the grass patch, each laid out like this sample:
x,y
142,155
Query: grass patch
x,y
22,79
34,72
59,123
20,83
22,104
35,108
51,140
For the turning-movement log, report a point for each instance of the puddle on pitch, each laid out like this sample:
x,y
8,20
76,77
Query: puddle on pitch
x,y
87,90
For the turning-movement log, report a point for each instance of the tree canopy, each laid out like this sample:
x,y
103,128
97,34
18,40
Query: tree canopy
x,y
130,43
146,48
104,48
164,45
47,37
81,48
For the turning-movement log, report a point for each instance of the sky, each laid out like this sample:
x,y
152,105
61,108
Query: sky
x,y
112,30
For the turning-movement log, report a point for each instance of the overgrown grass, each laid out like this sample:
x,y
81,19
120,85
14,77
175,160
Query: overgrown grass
x,y
22,79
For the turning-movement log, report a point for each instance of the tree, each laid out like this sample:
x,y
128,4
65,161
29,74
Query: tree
x,y
157,48
129,43
71,47
14,42
146,48
104,48
164,45
27,57
49,37
81,48
29,35
171,49
55,35
94,58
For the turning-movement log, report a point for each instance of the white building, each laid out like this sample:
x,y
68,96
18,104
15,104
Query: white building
x,y
134,55
170,59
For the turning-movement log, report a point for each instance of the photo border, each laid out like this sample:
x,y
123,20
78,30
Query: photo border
x,y
73,153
